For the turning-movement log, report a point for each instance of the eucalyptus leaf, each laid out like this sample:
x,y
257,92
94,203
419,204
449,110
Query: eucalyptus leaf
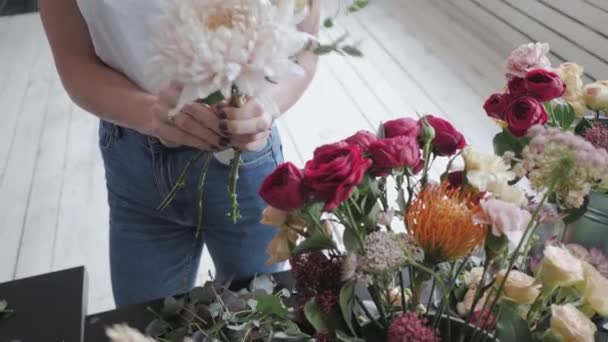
x,y
352,51
511,327
314,315
347,298
157,328
316,242
271,305
324,49
172,306
177,335
3,305
350,239
505,141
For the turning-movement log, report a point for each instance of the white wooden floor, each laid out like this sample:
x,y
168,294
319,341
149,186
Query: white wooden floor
x,y
53,212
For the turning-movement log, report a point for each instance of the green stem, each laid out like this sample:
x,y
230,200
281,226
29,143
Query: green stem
x,y
236,100
427,155
446,298
181,182
354,226
201,188
375,294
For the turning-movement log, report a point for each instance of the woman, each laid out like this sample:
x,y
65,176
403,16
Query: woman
x,y
99,47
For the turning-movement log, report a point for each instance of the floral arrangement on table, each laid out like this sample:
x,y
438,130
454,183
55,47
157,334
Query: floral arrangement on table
x,y
225,51
451,259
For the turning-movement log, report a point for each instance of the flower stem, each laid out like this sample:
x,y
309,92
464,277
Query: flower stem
x,y
236,100
181,182
427,155
375,294
201,188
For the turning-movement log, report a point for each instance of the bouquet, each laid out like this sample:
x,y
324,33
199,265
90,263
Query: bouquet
x,y
230,50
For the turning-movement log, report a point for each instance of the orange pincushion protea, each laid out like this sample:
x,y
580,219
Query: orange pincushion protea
x,y
440,219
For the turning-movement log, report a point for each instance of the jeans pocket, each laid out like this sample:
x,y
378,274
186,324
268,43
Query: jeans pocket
x,y
109,133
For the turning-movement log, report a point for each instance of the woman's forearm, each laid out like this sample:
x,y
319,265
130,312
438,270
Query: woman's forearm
x,y
107,94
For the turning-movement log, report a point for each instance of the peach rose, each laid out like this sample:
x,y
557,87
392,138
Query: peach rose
x,y
595,293
596,96
519,287
571,74
560,268
571,325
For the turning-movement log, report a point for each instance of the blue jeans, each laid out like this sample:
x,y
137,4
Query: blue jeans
x,y
156,254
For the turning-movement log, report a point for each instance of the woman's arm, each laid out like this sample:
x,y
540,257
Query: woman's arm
x,y
110,95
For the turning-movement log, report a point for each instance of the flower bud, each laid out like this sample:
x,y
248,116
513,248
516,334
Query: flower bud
x,y
596,96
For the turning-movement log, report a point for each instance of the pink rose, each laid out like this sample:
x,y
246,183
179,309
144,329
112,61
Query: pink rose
x,y
505,218
401,127
528,57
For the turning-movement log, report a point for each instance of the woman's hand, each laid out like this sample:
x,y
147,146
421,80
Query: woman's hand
x,y
248,127
195,125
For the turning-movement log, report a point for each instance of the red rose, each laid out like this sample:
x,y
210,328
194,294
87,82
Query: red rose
x,y
362,139
394,153
456,178
523,113
517,87
544,85
401,127
496,105
282,189
334,172
447,139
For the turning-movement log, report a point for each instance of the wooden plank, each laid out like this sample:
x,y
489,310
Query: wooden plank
x,y
35,255
581,12
567,30
16,184
561,47
598,4
82,225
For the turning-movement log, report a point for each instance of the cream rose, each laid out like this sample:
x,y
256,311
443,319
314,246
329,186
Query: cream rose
x,y
596,96
571,74
571,325
519,287
595,293
560,268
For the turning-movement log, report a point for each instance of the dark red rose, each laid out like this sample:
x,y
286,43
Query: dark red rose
x,y
282,189
334,172
362,139
447,139
401,127
523,113
544,85
517,87
456,178
394,153
496,105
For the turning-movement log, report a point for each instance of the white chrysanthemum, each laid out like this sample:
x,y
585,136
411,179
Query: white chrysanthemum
x,y
124,333
211,45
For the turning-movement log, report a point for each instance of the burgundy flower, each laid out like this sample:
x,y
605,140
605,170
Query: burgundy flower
x,y
544,85
401,127
315,272
362,139
496,105
411,328
327,300
517,87
334,172
456,178
523,113
393,153
282,189
447,139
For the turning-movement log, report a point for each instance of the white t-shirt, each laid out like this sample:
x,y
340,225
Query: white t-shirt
x,y
119,30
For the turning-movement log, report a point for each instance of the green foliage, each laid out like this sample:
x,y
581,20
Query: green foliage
x,y
511,327
582,126
505,141
314,316
351,239
318,241
347,299
561,115
268,304
358,5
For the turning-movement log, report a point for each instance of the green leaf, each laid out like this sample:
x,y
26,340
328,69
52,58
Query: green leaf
x,y
171,307
352,51
268,304
350,239
157,328
177,335
358,5
3,305
343,337
314,315
214,98
564,114
324,49
583,125
347,298
328,23
371,219
511,327
316,242
505,141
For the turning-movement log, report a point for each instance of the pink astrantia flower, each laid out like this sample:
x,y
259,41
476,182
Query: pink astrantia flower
x,y
505,218
528,57
598,135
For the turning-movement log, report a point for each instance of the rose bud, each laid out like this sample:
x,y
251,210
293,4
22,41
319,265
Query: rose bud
x,y
523,113
517,87
544,85
362,139
496,105
401,127
447,139
394,153
282,189
596,96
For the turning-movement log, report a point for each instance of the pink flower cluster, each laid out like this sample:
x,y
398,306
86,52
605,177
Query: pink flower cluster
x,y
411,328
598,135
567,164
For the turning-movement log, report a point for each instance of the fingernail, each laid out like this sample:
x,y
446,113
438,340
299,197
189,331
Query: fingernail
x,y
224,141
221,114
